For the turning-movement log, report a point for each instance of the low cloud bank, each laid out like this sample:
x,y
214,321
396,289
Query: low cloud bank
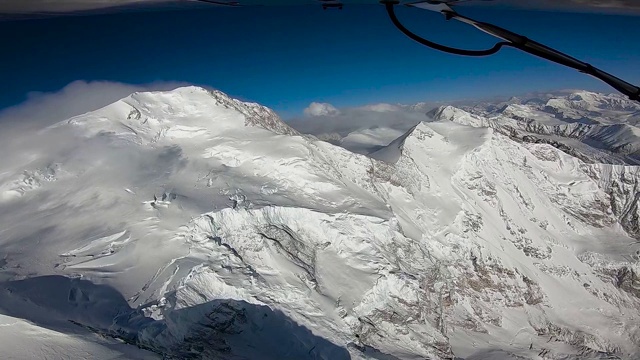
x,y
361,129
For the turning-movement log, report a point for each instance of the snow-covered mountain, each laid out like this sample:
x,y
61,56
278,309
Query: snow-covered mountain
x,y
192,225
594,127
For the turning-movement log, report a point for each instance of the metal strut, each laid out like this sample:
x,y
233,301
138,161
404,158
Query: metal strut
x,y
517,41
221,2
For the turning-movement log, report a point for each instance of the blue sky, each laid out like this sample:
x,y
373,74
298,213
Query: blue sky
x,y
287,57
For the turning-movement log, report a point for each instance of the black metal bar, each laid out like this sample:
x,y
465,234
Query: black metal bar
x,y
519,42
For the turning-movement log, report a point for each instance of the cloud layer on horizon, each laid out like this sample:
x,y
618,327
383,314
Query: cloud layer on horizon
x,y
360,129
324,118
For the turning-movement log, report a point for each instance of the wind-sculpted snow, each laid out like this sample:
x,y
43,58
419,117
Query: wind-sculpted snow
x,y
196,226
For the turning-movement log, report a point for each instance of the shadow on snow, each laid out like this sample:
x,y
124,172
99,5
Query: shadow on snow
x,y
221,329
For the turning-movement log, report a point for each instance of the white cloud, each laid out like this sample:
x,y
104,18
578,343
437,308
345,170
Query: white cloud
x,y
382,107
41,109
346,121
321,109
46,108
361,129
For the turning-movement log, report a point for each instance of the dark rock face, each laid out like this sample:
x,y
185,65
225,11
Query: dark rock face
x,y
255,114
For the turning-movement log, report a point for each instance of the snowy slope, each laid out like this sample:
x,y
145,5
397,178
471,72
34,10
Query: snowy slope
x,y
22,339
197,226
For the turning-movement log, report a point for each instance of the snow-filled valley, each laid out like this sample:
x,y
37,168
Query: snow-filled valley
x,y
189,225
